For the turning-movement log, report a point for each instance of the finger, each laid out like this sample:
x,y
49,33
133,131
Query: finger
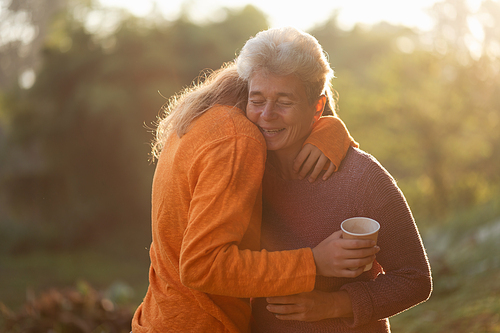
x,y
358,243
301,157
281,300
362,252
356,263
352,272
322,160
357,254
293,316
309,163
283,309
329,172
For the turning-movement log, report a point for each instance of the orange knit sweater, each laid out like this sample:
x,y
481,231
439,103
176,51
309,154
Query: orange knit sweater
x,y
206,217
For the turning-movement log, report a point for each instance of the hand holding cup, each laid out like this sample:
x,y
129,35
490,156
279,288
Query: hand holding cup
x,y
360,228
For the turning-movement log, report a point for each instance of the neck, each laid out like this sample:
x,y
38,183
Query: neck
x,y
282,160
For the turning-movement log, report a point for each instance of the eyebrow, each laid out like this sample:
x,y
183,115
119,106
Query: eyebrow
x,y
280,94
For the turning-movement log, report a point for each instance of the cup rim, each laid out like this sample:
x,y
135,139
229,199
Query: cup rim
x,y
358,234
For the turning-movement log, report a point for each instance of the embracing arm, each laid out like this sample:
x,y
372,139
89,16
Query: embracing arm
x,y
224,225
324,149
224,215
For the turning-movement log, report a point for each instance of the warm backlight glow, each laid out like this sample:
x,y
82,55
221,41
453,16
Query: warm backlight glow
x,y
304,16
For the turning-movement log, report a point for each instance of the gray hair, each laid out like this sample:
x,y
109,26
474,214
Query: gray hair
x,y
285,51
279,51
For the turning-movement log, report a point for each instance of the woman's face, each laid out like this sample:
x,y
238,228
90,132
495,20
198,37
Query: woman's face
x,y
278,105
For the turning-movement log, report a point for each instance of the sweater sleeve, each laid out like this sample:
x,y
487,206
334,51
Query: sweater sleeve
x,y
225,182
330,135
406,278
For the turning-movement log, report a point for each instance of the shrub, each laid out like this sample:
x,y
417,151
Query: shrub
x,y
71,310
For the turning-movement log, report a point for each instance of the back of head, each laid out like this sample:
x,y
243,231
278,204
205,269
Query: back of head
x,y
223,86
284,51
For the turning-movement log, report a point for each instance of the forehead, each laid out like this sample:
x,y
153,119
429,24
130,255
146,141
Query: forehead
x,y
266,84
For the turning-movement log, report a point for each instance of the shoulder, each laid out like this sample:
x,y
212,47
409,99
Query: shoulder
x,y
358,160
365,186
222,122
366,168
220,135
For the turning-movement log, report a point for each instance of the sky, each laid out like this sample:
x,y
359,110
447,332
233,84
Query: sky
x,y
301,14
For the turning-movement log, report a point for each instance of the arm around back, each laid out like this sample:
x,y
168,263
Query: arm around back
x,y
225,180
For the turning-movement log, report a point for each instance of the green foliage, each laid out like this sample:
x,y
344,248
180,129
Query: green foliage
x,y
79,133
430,118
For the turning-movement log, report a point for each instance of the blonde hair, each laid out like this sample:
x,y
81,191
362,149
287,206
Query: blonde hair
x,y
280,51
223,86
285,51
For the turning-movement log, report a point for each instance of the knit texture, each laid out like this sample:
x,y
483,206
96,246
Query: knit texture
x,y
300,214
206,216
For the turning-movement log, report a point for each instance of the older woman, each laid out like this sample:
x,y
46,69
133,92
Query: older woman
x,y
289,87
206,213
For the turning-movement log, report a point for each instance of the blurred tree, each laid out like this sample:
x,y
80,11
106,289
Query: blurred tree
x,y
74,150
82,166
451,26
489,18
24,25
431,117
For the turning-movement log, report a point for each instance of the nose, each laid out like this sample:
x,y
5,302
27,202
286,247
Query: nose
x,y
268,113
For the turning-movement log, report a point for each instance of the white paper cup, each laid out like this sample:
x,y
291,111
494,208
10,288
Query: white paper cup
x,y
360,228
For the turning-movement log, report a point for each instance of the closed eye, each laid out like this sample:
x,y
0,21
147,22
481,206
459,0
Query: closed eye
x,y
285,103
257,102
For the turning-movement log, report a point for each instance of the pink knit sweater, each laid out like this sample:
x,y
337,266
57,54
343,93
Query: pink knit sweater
x,y
300,214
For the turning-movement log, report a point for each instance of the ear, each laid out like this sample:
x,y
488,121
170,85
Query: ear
x,y
319,106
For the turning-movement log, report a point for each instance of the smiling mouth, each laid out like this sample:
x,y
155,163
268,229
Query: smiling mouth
x,y
272,131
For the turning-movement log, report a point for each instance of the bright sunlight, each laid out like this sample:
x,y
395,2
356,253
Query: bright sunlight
x,y
408,13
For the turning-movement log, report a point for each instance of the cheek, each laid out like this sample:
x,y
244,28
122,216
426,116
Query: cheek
x,y
298,119
251,114
300,125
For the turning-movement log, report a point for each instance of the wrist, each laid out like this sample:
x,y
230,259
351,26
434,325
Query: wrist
x,y
342,306
316,261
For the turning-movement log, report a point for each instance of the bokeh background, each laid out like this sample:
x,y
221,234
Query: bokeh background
x,y
82,82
